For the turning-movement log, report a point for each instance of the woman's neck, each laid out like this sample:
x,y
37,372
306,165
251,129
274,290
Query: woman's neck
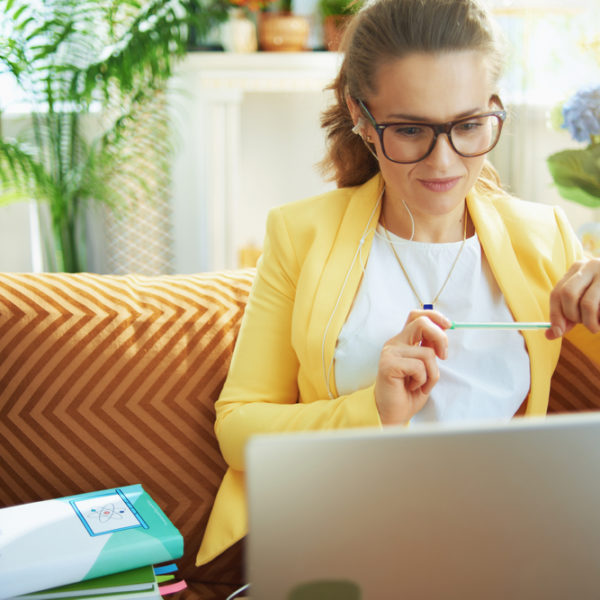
x,y
409,223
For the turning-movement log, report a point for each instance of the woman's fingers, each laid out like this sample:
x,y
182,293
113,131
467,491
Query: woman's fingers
x,y
576,299
408,368
433,315
425,328
564,300
415,365
590,307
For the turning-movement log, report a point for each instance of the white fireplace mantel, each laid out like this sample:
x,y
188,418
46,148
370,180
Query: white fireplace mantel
x,y
262,71
210,113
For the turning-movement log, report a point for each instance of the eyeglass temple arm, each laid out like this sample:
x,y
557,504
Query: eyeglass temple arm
x,y
365,111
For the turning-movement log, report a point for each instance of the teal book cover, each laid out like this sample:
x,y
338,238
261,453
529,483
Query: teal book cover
x,y
55,542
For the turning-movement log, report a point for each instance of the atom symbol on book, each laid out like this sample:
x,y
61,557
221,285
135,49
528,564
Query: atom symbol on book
x,y
106,513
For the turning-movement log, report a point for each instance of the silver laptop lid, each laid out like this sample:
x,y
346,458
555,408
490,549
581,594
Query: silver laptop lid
x,y
486,511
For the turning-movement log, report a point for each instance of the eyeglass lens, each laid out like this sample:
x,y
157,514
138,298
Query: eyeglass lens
x,y
406,142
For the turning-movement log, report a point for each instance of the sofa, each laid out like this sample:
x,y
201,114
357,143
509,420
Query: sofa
x,y
111,380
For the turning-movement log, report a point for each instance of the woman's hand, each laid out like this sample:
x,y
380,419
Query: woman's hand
x,y
408,368
576,299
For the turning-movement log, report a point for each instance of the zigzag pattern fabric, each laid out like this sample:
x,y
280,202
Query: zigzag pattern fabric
x,y
575,383
111,380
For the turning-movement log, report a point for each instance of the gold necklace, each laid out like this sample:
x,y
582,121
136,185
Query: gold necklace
x,y
424,305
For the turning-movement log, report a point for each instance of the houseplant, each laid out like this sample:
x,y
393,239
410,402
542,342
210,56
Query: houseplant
x,y
280,30
238,32
576,172
91,72
335,15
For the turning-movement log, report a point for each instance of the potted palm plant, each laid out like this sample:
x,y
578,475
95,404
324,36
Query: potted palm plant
x,y
92,73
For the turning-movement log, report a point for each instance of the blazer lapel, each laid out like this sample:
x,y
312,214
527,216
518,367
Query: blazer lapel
x,y
341,277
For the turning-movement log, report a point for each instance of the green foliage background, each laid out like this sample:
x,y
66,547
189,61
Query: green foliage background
x,y
94,76
329,8
576,174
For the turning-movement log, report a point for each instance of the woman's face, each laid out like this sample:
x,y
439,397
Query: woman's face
x,y
431,88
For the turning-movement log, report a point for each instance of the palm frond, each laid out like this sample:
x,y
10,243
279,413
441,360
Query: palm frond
x,y
77,60
141,56
21,175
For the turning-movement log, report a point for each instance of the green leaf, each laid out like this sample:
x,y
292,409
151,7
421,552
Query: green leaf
x,y
17,15
10,195
339,7
119,53
19,171
576,174
24,24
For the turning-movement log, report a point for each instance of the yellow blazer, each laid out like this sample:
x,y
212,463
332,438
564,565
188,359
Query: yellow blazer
x,y
307,278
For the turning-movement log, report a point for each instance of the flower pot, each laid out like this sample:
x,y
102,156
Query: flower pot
x,y
333,29
238,33
283,32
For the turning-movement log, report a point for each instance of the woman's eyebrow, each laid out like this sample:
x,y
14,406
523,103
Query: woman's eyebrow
x,y
421,119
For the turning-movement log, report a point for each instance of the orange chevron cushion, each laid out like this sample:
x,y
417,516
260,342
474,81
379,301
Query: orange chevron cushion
x,y
576,380
108,380
111,380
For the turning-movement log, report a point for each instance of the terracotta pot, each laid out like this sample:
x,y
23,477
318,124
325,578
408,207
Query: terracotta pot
x,y
282,32
333,29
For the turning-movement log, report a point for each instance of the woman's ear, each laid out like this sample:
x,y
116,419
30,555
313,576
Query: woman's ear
x,y
360,125
496,103
355,112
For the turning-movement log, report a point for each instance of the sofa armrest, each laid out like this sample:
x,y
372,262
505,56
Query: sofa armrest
x,y
111,380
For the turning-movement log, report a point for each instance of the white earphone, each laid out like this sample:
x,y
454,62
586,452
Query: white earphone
x,y
359,129
360,124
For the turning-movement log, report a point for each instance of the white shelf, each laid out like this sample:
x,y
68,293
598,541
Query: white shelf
x,y
228,122
263,71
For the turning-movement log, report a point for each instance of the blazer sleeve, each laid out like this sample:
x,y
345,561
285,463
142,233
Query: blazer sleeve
x,y
571,244
261,393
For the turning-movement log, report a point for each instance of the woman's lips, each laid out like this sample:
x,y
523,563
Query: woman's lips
x,y
440,185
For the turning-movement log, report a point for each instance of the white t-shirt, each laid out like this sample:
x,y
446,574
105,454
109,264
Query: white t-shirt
x,y
486,374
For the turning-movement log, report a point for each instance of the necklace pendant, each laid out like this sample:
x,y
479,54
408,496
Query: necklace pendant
x,y
427,306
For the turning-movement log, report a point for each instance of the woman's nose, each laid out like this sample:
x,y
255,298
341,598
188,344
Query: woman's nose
x,y
443,153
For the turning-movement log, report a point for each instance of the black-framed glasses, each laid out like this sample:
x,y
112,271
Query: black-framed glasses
x,y
409,142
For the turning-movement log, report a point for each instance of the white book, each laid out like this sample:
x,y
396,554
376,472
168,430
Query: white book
x,y
56,542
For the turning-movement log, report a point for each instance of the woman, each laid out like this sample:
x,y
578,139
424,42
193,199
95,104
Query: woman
x,y
348,324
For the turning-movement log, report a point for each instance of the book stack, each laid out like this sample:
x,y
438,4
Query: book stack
x,y
113,544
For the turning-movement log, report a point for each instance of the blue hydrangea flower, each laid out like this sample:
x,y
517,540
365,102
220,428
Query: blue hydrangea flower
x,y
581,114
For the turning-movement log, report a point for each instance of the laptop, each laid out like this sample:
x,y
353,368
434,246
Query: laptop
x,y
484,510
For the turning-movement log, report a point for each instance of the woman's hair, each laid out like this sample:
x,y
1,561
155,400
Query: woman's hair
x,y
386,30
